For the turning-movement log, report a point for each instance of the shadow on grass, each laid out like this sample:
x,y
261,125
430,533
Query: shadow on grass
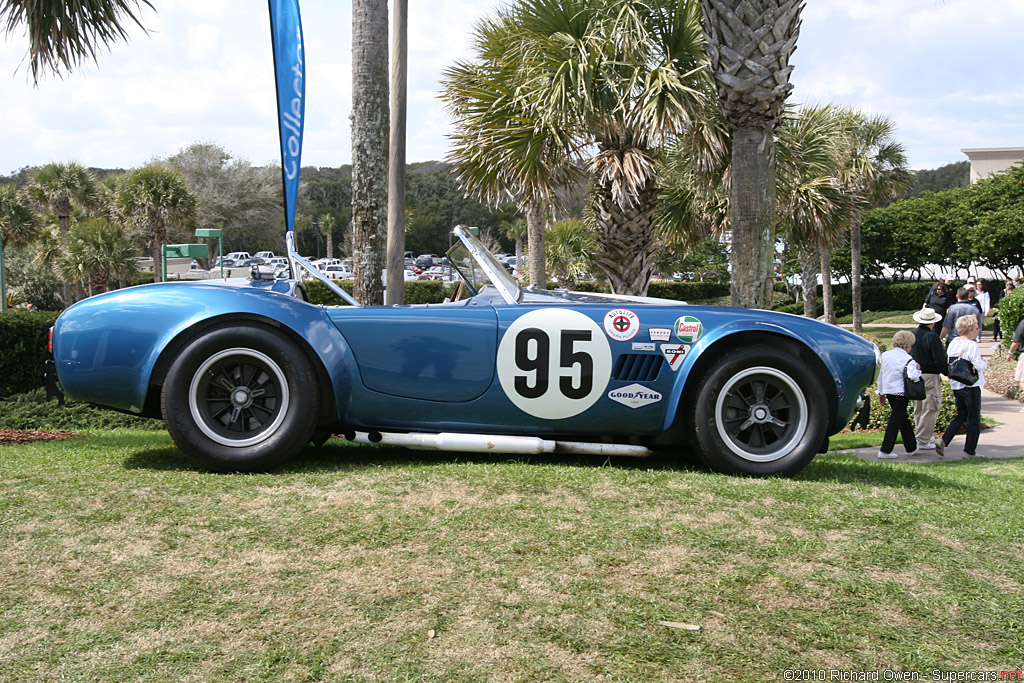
x,y
339,456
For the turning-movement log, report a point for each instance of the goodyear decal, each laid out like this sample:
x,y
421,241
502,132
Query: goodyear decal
x,y
634,396
621,324
689,329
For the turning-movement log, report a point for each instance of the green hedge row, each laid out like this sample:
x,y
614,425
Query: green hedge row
x,y
23,341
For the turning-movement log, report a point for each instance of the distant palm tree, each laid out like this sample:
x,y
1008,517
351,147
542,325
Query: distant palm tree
x,y
327,230
97,250
749,43
874,171
63,34
61,187
19,224
813,209
152,199
570,247
369,147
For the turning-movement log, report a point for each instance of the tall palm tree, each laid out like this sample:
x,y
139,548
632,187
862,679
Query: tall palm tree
x,y
153,199
61,187
501,149
63,34
19,224
749,43
369,147
874,171
602,84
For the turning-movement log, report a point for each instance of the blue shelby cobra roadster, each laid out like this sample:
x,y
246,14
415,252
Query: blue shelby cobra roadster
x,y
245,373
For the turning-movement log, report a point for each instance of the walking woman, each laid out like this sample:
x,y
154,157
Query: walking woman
x,y
937,301
968,397
891,389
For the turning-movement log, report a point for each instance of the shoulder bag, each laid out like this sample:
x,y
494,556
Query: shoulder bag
x,y
962,370
913,389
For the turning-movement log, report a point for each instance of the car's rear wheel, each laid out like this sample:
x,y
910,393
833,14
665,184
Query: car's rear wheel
x,y
240,398
759,411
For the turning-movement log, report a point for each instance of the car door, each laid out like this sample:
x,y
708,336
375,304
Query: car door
x,y
435,352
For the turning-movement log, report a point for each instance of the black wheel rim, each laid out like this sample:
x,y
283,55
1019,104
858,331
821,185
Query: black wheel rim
x,y
238,397
761,414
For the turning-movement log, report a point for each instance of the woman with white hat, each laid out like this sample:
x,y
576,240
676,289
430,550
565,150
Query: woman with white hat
x,y
930,354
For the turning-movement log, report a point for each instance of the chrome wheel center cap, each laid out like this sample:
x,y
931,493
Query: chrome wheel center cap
x,y
241,398
759,414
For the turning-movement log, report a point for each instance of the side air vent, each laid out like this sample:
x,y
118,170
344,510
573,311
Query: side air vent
x,y
637,367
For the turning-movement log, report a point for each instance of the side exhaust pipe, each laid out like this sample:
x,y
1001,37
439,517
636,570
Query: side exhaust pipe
x,y
494,443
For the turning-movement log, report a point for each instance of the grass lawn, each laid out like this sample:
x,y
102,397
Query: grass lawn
x,y
121,562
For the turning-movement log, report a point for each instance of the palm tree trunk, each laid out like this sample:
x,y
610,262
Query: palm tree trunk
x,y
855,254
627,238
68,296
369,147
396,164
826,285
752,214
535,244
809,278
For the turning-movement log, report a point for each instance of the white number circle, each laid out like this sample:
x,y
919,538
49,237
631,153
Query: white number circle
x,y
554,363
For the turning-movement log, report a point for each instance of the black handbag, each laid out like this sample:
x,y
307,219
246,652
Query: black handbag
x,y
963,370
913,389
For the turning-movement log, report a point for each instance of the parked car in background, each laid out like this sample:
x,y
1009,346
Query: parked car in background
x,y
437,273
264,256
237,256
337,272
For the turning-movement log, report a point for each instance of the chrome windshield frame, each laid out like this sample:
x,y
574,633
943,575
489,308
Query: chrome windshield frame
x,y
298,262
506,285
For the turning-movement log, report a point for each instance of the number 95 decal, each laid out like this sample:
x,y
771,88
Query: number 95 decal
x,y
554,363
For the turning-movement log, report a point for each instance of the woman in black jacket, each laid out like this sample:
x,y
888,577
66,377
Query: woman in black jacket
x,y
938,302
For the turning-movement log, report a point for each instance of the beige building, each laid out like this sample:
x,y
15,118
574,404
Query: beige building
x,y
986,161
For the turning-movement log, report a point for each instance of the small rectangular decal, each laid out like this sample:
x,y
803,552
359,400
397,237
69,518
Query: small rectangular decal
x,y
674,354
643,346
634,396
660,334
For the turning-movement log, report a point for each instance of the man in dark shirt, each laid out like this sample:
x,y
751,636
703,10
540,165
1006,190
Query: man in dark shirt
x,y
958,310
931,356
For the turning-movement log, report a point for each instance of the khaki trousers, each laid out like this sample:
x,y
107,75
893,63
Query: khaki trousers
x,y
927,411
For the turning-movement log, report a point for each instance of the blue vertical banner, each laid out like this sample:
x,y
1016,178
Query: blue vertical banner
x,y
290,75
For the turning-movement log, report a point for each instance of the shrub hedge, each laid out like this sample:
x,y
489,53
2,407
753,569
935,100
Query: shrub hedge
x,y
31,410
23,341
1011,312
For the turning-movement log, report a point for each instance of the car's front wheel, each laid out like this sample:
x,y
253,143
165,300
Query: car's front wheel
x,y
759,411
241,398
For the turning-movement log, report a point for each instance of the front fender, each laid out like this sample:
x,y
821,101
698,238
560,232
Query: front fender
x,y
847,360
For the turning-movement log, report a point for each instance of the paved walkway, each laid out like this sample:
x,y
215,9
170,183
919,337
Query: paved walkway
x,y
1004,441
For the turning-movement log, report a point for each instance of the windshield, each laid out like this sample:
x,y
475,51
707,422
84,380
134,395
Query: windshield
x,y
478,267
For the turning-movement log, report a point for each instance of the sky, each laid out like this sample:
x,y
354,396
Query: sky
x,y
947,72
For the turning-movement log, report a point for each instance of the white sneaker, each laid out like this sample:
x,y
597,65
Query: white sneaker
x,y
930,446
887,455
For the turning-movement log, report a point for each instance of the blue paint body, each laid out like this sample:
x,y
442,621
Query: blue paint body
x,y
433,367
